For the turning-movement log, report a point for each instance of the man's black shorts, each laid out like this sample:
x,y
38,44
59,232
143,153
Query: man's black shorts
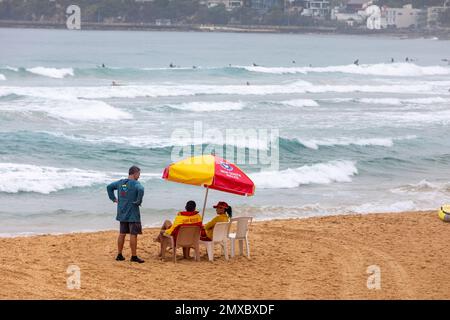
x,y
130,227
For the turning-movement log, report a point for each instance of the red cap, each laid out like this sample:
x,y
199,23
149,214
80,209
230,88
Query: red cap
x,y
221,204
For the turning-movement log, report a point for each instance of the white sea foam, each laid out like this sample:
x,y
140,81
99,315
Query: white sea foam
x,y
43,179
347,141
12,68
381,69
150,141
381,207
300,103
191,90
51,72
423,186
70,109
416,118
383,101
201,106
321,173
2,77
316,143
397,101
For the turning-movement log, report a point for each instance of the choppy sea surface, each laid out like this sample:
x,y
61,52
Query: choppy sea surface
x,y
372,137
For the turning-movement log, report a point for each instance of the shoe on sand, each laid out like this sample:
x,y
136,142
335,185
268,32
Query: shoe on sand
x,y
136,259
120,257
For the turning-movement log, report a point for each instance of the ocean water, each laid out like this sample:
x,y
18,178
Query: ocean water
x,y
352,139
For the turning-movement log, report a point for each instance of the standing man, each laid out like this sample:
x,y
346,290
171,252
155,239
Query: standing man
x,y
129,197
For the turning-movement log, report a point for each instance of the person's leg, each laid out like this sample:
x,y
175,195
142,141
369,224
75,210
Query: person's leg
x,y
135,229
166,225
120,242
124,229
186,252
133,244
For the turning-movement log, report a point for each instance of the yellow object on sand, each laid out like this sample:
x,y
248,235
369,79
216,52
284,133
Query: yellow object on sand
x,y
444,213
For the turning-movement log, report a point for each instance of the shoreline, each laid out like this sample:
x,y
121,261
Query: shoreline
x,y
443,34
325,257
155,227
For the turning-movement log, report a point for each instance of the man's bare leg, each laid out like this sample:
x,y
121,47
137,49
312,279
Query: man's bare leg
x,y
133,244
120,242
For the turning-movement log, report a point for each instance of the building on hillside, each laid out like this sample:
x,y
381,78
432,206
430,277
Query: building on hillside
x,y
352,12
406,17
229,4
265,5
352,19
354,6
433,14
163,22
316,8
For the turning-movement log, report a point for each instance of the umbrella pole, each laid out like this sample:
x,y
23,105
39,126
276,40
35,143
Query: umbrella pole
x,y
204,203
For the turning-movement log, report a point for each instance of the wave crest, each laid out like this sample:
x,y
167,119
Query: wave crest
x,y
380,69
321,173
52,72
43,179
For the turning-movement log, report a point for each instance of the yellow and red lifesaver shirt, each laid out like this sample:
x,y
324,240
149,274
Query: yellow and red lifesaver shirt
x,y
184,218
209,227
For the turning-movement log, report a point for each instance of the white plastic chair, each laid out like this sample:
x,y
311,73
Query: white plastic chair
x,y
220,235
240,235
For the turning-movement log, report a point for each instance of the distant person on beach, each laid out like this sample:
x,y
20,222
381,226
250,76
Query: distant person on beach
x,y
392,60
248,83
407,59
224,213
129,197
103,65
114,84
188,217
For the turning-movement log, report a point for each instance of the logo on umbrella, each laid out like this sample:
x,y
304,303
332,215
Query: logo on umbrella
x,y
226,166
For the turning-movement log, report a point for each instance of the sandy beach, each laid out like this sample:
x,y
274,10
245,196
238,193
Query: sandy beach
x,y
314,258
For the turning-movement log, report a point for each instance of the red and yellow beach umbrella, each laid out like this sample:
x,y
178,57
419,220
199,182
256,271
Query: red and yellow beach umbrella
x,y
211,172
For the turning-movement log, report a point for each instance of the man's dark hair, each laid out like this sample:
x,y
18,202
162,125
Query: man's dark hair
x,y
190,206
133,170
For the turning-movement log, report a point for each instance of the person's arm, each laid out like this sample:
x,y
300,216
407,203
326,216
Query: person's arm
x,y
110,188
140,195
211,224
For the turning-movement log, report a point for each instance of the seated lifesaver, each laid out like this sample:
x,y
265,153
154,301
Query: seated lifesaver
x,y
444,213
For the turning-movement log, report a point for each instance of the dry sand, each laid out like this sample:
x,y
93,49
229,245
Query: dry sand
x,y
315,258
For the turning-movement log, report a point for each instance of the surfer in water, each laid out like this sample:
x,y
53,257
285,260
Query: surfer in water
x,y
255,65
171,65
356,63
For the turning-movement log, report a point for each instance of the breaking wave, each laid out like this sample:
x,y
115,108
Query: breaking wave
x,y
321,173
